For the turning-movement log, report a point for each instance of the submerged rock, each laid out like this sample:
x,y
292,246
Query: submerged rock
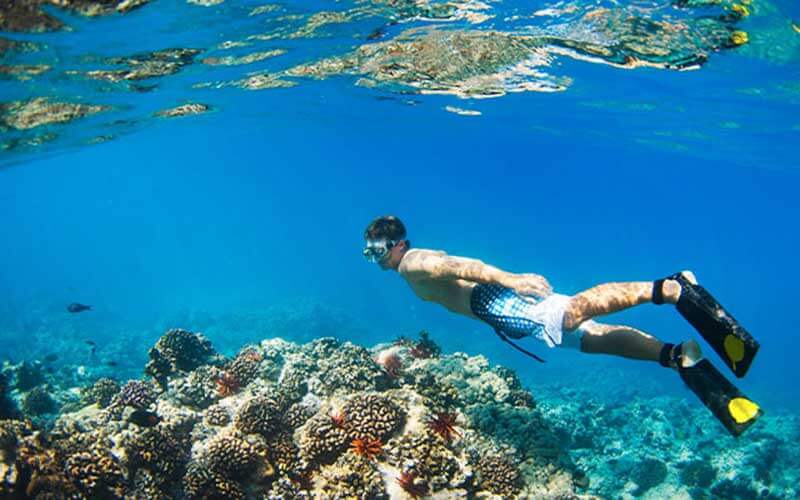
x,y
28,15
24,115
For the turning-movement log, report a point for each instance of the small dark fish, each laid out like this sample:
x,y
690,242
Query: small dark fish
x,y
94,346
378,33
144,418
76,307
50,358
50,369
111,363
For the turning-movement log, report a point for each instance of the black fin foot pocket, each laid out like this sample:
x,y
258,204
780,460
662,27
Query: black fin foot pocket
x,y
732,408
730,340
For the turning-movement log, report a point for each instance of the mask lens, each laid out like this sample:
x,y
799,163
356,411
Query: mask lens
x,y
376,251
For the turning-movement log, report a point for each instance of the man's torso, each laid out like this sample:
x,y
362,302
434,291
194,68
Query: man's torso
x,y
454,294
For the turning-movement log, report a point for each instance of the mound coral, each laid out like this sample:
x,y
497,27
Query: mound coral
x,y
372,416
259,415
498,475
217,415
244,366
178,351
38,402
322,440
101,392
136,394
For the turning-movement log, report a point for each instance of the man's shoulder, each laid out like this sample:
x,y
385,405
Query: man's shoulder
x,y
419,252
414,257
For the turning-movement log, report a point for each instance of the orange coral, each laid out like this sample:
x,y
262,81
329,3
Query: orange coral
x,y
369,448
227,384
414,487
443,424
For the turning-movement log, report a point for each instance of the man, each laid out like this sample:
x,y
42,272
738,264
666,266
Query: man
x,y
520,305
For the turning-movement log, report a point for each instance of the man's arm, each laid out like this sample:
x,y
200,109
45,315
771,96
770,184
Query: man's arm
x,y
437,265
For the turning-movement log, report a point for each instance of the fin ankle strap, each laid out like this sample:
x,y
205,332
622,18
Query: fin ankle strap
x,y
666,357
658,291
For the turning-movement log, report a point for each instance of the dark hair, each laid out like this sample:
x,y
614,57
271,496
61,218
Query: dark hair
x,y
387,227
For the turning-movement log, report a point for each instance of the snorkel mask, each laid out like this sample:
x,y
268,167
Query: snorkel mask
x,y
377,251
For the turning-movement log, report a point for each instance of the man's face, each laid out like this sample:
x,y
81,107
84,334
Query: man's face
x,y
387,254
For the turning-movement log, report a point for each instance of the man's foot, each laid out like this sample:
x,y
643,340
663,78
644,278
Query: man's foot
x,y
683,355
690,353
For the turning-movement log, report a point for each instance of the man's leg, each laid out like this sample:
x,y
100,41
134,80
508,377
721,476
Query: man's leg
x,y
614,297
619,340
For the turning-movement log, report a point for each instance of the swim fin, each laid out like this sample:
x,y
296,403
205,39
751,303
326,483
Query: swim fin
x,y
722,332
732,408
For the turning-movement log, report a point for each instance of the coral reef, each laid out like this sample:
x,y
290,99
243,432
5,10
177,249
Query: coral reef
x,y
290,432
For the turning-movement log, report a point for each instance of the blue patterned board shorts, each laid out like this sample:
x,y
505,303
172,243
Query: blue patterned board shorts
x,y
517,316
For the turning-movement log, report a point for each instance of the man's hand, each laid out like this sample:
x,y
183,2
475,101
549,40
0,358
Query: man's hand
x,y
532,285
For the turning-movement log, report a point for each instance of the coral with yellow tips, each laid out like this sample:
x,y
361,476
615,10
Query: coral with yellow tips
x,y
739,38
740,9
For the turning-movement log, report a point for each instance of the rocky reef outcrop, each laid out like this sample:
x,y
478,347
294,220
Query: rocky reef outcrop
x,y
324,419
331,419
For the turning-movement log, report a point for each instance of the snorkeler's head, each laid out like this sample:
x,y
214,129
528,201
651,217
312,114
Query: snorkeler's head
x,y
386,242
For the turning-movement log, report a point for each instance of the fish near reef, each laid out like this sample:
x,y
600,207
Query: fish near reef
x,y
75,307
144,418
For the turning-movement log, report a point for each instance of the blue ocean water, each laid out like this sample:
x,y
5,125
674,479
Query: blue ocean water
x,y
218,221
